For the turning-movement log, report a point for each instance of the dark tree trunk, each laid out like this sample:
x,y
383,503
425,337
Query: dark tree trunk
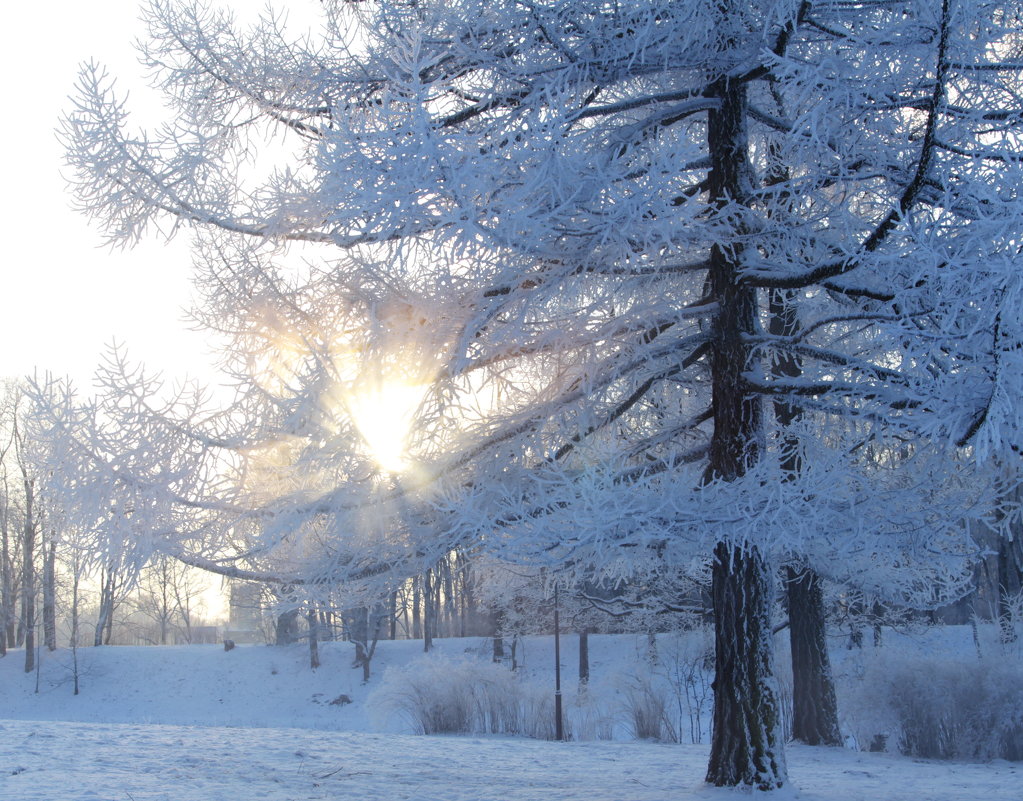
x,y
50,597
357,624
467,596
584,657
1010,578
103,610
746,747
814,709
314,636
28,605
417,626
495,622
448,600
7,633
429,611
108,591
287,628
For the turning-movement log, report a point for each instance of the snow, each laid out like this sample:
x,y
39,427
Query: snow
x,y
196,723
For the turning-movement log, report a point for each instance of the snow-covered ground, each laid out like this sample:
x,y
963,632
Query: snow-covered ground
x,y
196,723
51,761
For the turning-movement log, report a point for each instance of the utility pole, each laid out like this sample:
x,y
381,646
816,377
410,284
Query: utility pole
x,y
559,730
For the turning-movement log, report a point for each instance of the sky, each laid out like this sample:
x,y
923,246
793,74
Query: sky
x,y
66,295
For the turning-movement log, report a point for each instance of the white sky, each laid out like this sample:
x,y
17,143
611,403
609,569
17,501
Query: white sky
x,y
66,296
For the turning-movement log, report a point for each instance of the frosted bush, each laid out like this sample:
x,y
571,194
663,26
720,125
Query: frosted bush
x,y
439,695
590,719
666,693
938,707
646,704
686,660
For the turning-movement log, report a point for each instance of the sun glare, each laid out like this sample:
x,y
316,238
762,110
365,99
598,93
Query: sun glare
x,y
383,417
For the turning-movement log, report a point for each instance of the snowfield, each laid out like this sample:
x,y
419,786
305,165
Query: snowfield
x,y
195,723
54,761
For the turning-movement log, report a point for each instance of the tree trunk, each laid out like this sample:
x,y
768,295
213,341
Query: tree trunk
x,y
75,579
1009,581
314,637
287,628
746,748
448,600
50,597
417,628
28,606
467,606
357,624
101,621
584,657
814,709
429,611
6,590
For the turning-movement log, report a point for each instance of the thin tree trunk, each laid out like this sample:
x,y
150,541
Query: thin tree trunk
x,y
76,577
1009,581
584,657
28,606
6,591
465,595
449,598
814,708
497,632
417,628
314,636
50,596
357,623
429,611
101,622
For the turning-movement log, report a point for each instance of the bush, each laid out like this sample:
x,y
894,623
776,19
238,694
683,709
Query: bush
x,y
438,695
646,704
687,661
940,707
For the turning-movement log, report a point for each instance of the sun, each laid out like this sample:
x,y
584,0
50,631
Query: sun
x,y
383,416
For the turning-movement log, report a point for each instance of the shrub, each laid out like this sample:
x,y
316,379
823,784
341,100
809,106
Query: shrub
x,y
687,661
940,707
438,695
646,704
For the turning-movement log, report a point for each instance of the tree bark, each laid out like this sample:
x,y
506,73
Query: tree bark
x,y
287,628
584,657
814,708
746,748
50,597
1010,579
28,606
7,633
429,611
417,627
314,636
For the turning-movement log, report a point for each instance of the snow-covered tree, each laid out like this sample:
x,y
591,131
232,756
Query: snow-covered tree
x,y
564,234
